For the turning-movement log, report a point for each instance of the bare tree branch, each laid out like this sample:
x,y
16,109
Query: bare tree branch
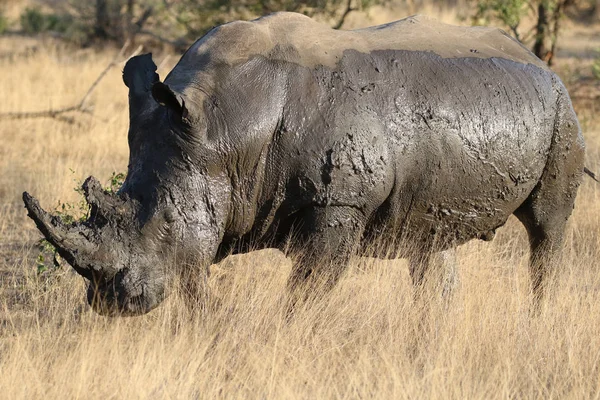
x,y
515,31
180,44
82,106
144,17
528,35
347,11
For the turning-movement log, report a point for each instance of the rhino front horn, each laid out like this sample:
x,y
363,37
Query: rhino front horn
x,y
69,241
101,201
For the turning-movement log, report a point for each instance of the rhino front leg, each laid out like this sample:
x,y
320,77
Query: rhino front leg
x,y
326,241
450,278
436,271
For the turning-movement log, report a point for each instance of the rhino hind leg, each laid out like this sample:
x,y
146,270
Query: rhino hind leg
x,y
546,233
546,211
324,245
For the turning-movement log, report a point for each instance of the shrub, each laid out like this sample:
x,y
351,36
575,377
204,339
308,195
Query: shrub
x,y
508,12
33,20
596,65
3,23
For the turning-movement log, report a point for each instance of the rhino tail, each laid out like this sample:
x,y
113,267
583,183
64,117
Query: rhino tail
x,y
591,174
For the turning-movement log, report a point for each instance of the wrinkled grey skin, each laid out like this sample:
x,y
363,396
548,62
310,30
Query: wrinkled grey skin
x,y
280,131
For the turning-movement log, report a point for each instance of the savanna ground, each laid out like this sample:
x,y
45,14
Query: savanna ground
x,y
367,339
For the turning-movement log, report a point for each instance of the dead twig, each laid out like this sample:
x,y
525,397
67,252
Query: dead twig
x,y
82,106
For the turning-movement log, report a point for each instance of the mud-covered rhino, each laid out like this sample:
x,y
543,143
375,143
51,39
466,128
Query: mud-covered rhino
x,y
284,133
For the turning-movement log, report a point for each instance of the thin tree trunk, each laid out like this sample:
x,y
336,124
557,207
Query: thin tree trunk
x,y
550,13
542,31
556,17
102,19
128,24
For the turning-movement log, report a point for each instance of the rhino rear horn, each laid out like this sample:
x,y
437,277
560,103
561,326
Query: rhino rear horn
x,y
101,201
70,241
139,74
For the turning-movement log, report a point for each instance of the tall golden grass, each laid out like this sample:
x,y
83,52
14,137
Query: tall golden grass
x,y
367,339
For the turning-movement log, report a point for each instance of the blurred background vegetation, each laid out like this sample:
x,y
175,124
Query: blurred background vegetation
x,y
177,23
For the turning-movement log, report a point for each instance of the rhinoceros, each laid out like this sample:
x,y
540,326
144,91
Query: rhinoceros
x,y
284,133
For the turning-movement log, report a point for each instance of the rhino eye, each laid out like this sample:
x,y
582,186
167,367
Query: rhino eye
x,y
169,215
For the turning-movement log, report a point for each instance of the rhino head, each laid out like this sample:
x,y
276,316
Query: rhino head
x,y
169,213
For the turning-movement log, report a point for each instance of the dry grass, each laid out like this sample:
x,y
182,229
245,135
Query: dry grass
x,y
366,340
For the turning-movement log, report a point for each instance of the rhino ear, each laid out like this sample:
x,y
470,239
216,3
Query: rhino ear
x,y
166,97
140,74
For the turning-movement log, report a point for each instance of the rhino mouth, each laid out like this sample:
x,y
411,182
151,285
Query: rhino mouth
x,y
114,299
106,305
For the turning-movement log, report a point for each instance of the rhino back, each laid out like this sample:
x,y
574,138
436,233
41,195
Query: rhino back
x,y
315,44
